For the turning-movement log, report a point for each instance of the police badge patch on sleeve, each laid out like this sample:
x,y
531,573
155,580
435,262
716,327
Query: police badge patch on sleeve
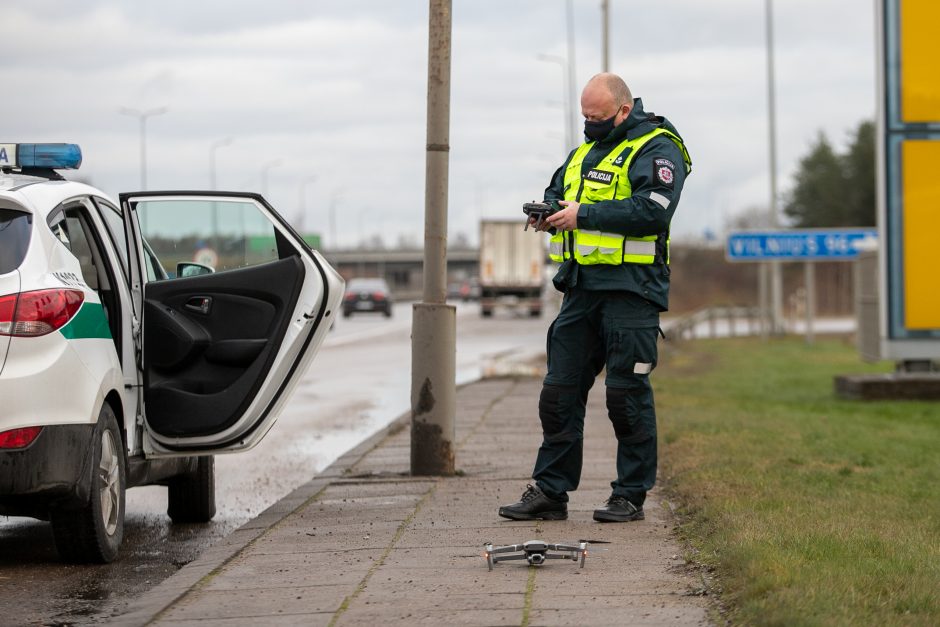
x,y
664,171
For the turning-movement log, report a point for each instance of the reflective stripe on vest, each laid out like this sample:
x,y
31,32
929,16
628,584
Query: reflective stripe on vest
x,y
596,247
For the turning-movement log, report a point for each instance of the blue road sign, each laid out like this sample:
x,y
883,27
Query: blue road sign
x,y
800,245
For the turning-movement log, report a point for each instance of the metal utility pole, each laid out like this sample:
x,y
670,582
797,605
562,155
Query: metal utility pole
x,y
809,279
434,322
776,268
565,96
572,79
334,243
264,176
225,141
302,205
142,118
605,35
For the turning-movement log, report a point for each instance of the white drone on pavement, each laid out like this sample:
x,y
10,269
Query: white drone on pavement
x,y
535,552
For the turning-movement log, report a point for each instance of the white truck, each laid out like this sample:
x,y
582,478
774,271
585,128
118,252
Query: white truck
x,y
512,263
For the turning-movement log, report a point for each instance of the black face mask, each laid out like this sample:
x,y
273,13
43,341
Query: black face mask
x,y
597,131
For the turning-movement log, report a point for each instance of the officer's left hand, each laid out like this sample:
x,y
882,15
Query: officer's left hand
x,y
567,218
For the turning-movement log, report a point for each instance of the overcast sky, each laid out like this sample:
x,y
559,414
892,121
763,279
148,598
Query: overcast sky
x,y
337,90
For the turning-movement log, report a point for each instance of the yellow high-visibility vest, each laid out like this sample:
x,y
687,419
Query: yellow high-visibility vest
x,y
608,180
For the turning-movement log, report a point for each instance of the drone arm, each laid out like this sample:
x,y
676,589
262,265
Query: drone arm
x,y
504,549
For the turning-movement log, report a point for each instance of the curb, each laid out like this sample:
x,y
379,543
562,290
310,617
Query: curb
x,y
161,597
147,607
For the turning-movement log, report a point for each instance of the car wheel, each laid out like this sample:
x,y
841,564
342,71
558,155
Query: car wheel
x,y
346,314
192,496
94,531
486,313
388,313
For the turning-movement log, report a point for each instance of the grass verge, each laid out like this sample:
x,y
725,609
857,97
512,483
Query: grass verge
x,y
810,510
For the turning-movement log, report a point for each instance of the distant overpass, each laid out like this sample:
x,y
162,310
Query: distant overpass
x,y
402,268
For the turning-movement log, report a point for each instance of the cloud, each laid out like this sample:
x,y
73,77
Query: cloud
x,y
339,90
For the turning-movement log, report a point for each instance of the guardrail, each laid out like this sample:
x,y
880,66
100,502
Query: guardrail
x,y
714,322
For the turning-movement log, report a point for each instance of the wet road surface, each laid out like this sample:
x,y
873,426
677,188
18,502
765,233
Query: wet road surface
x,y
358,383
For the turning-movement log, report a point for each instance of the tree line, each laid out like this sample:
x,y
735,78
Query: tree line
x,y
835,189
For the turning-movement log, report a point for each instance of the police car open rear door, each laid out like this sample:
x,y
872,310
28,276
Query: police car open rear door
x,y
230,307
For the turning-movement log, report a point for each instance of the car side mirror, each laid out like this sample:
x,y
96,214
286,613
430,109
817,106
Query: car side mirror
x,y
188,268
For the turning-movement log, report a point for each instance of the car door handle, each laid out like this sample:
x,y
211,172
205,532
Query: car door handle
x,y
199,304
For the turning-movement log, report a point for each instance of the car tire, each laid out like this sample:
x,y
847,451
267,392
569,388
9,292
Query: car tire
x,y
94,531
486,313
388,313
346,314
191,497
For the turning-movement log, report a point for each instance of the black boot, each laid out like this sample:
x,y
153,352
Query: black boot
x,y
618,509
534,505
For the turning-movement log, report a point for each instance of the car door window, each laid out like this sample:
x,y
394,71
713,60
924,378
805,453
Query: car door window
x,y
70,227
14,238
73,226
114,221
218,235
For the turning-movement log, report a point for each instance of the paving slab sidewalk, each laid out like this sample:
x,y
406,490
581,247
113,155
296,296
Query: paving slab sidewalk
x,y
365,543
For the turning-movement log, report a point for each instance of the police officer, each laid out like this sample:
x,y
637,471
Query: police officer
x,y
617,192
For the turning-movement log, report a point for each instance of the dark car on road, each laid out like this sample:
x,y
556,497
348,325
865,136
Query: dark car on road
x,y
367,295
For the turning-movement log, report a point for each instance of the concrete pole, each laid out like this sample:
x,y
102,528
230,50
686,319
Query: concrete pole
x,y
605,35
776,268
434,322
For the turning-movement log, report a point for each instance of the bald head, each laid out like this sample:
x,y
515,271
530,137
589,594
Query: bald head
x,y
606,95
615,87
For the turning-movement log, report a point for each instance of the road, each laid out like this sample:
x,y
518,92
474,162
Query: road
x,y
358,383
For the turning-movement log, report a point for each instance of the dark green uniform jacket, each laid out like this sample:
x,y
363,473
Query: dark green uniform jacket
x,y
635,216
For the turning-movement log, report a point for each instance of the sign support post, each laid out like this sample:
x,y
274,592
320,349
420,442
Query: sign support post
x,y
806,245
908,188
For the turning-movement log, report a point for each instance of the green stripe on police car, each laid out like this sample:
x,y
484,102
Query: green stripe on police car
x,y
89,323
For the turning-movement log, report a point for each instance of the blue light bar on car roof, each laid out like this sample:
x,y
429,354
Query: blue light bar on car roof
x,y
57,156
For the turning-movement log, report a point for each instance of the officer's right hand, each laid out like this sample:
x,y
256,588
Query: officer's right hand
x,y
566,219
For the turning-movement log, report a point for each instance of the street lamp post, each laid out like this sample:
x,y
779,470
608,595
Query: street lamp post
x,y
605,35
572,89
776,269
264,176
142,118
565,95
334,244
225,141
302,205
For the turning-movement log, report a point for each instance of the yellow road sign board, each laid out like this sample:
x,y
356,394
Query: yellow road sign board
x,y
921,224
920,77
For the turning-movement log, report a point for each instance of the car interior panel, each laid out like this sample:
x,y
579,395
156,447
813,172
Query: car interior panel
x,y
208,343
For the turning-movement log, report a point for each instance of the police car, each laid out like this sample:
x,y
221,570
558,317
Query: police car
x,y
138,339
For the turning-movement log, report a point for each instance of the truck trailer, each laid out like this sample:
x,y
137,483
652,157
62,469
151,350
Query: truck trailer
x,y
512,263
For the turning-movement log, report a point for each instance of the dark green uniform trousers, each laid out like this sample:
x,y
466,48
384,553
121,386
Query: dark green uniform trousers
x,y
592,329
